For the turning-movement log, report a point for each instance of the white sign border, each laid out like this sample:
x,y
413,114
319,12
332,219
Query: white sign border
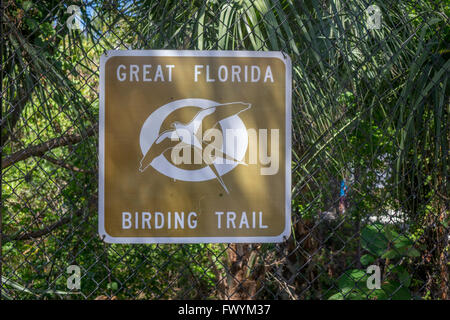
x,y
194,53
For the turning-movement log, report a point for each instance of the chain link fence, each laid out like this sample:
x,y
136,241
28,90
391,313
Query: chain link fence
x,y
370,150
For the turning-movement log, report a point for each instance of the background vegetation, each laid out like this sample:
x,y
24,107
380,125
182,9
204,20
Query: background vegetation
x,y
370,105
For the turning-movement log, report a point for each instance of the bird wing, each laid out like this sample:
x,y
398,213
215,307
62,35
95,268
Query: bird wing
x,y
207,118
155,150
198,119
166,134
223,111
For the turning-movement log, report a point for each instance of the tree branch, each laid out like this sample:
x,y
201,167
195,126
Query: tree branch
x,y
40,149
49,228
13,116
65,165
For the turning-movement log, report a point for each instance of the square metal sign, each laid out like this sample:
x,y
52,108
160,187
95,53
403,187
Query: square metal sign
x,y
195,146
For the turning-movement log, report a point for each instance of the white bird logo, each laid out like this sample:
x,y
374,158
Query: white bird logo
x,y
205,119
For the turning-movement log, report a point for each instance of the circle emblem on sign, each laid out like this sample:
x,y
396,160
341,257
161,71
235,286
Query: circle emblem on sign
x,y
235,142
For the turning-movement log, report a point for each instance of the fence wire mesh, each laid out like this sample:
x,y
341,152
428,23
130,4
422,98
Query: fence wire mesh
x,y
370,150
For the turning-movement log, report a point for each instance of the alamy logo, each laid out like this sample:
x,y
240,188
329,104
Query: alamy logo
x,y
214,142
373,17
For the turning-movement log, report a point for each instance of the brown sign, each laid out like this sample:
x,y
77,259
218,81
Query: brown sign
x,y
195,146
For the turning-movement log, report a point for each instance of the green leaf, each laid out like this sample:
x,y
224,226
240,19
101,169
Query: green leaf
x,y
405,278
113,286
31,23
367,259
353,280
413,253
391,254
390,233
396,291
403,241
27,5
373,239
337,296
